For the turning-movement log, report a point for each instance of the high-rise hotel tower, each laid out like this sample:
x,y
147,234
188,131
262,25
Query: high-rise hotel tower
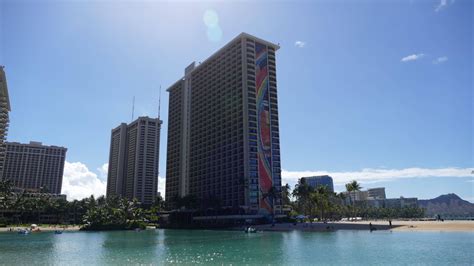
x,y
133,160
223,131
35,167
4,118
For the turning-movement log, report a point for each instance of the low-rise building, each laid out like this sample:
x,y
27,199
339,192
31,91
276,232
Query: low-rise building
x,y
354,196
376,193
375,197
376,203
401,203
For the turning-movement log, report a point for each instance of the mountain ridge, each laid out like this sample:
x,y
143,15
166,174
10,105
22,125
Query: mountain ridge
x,y
448,205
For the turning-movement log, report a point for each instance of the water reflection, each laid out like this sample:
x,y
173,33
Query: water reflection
x,y
227,247
131,247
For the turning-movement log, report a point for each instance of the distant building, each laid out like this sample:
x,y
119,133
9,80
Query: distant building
x,y
223,131
28,193
4,117
322,180
35,167
354,196
408,202
375,197
367,195
376,203
392,203
133,160
376,193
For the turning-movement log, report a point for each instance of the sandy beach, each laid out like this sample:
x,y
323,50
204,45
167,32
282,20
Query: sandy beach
x,y
397,225
47,228
446,226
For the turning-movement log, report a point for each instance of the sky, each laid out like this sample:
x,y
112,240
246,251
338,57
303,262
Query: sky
x,y
376,91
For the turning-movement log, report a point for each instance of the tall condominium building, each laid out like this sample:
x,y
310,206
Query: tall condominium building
x,y
4,119
35,167
223,131
322,180
133,160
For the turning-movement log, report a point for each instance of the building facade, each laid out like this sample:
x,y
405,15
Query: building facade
x,y
322,180
401,203
35,167
133,160
354,196
376,193
370,194
4,116
223,132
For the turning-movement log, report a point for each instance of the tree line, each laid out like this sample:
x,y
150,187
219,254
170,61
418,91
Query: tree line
x,y
120,213
91,213
322,204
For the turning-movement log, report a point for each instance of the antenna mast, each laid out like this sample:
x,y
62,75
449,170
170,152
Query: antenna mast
x,y
133,108
159,104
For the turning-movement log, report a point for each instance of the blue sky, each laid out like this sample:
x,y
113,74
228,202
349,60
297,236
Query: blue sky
x,y
384,86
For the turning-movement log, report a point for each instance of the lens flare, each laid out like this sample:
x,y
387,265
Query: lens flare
x,y
214,34
211,20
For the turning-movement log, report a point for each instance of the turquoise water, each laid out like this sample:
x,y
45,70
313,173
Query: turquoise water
x,y
237,248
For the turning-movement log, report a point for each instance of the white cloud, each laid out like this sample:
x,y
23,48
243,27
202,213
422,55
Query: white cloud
x,y
300,44
412,57
370,175
161,186
103,170
440,60
79,182
443,4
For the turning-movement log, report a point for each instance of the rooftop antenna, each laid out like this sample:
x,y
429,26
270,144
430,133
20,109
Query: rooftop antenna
x,y
159,104
133,107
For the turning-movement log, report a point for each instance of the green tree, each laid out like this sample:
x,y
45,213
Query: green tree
x,y
321,199
6,194
351,188
285,194
273,194
301,193
113,213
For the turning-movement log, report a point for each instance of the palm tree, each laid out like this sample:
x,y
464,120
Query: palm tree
x,y
351,188
302,192
272,194
6,199
285,194
320,197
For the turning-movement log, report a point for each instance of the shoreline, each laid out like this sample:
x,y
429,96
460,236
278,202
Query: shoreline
x,y
48,228
397,225
379,225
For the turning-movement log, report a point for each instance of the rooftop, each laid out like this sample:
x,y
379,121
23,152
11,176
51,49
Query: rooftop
x,y
242,35
34,144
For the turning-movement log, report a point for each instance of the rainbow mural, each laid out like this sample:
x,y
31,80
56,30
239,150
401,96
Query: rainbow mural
x,y
264,128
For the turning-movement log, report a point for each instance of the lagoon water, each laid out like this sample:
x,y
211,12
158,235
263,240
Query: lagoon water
x,y
237,248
